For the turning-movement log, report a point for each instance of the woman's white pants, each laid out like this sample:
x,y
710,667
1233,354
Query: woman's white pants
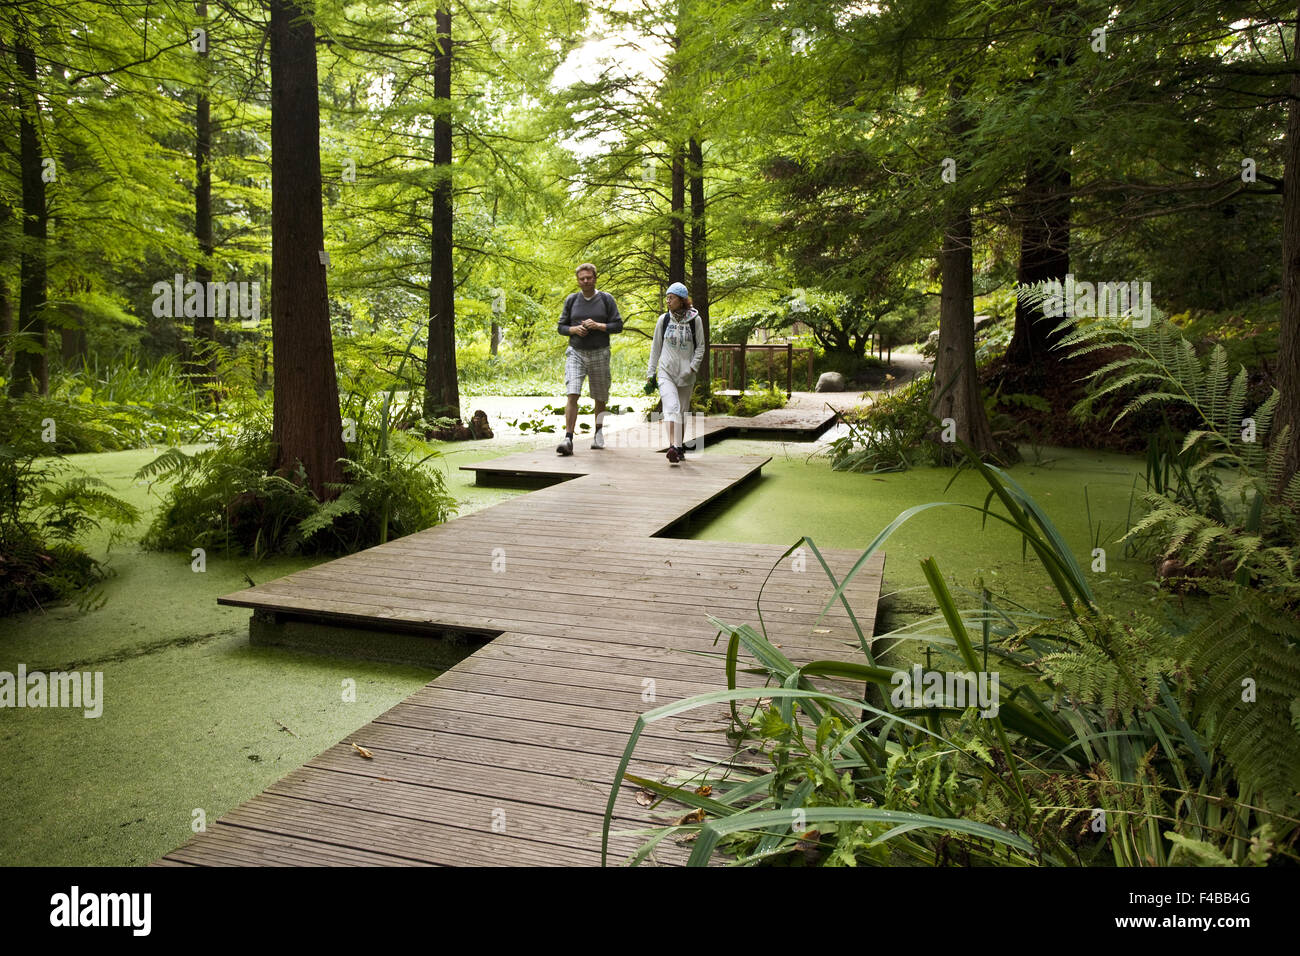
x,y
677,401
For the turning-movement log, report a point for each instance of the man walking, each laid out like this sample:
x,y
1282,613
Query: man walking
x,y
588,319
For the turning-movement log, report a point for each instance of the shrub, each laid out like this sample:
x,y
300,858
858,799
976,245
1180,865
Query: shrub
x,y
225,498
890,434
45,508
751,403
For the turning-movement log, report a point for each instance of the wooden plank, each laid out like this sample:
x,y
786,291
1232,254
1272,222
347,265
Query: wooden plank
x,y
533,724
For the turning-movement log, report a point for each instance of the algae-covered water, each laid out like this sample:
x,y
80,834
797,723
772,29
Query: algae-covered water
x,y
194,719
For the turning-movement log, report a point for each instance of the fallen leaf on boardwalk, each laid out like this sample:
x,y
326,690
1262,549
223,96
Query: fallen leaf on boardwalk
x,y
821,630
695,816
669,563
645,798
385,779
776,645
789,609
363,751
733,586
704,791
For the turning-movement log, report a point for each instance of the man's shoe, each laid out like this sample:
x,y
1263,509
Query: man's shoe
x,y
598,439
681,452
565,447
673,457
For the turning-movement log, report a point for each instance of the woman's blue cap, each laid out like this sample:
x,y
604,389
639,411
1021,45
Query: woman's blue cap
x,y
678,290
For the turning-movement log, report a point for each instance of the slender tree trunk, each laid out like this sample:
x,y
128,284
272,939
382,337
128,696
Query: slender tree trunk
x,y
205,326
1288,344
699,248
442,391
957,401
6,326
6,304
1044,219
72,337
677,222
31,371
1044,254
307,427
495,343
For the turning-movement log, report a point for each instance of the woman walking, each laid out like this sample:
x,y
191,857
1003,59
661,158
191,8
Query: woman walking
x,y
675,360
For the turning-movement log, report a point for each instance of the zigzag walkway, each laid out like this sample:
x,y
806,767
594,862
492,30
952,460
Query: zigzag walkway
x,y
507,758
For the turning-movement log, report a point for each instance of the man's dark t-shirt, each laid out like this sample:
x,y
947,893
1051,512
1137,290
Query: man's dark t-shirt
x,y
600,308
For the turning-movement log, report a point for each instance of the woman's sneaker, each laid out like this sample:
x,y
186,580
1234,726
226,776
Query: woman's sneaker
x,y
673,457
565,447
598,439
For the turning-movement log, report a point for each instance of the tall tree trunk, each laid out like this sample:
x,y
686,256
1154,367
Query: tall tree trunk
x,y
6,326
72,336
677,221
307,427
957,401
6,304
1044,254
495,344
699,250
1288,343
441,390
1044,211
31,371
205,326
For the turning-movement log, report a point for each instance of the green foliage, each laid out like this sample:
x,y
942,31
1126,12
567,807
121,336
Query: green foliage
x,y
1128,738
539,369
45,509
1248,333
752,402
890,434
225,498
1212,500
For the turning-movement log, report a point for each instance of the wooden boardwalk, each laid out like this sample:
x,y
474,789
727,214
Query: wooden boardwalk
x,y
508,757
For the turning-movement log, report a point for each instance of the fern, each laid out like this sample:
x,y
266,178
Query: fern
x,y
1254,640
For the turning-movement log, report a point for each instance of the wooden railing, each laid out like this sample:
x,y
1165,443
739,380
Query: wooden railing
x,y
722,364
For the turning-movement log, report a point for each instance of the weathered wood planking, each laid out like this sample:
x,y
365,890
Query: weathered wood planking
x,y
507,758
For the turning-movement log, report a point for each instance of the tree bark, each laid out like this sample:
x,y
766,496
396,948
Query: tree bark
x,y
6,326
1044,216
699,284
205,326
1044,254
307,428
677,220
442,391
31,372
1288,344
957,400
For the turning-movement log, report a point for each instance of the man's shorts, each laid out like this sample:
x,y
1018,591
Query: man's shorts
x,y
592,365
